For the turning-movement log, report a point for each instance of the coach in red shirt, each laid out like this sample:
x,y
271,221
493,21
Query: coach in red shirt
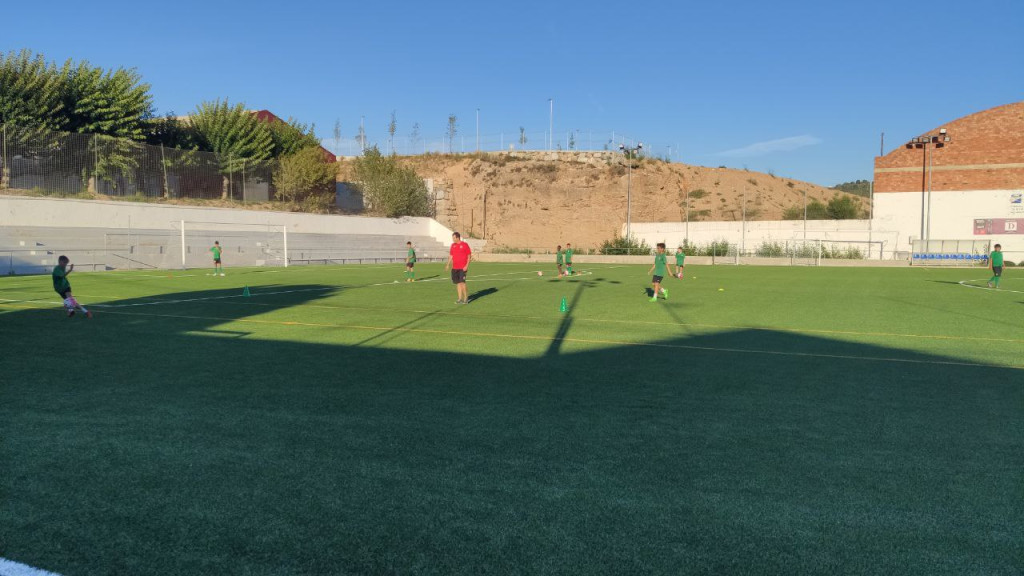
x,y
458,262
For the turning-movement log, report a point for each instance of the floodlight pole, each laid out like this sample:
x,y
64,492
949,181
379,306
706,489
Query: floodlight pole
x,y
628,152
923,142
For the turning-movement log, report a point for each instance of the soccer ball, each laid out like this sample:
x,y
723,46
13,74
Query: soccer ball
x,y
539,273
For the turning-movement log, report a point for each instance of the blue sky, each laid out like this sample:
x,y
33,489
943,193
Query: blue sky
x,y
801,88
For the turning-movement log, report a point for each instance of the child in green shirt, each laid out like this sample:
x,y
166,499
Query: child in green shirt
x,y
217,266
63,287
995,263
660,269
410,262
680,258
559,259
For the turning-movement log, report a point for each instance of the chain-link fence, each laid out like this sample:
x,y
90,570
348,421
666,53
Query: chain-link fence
x,y
43,162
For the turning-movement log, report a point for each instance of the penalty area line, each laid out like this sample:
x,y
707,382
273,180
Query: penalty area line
x,y
965,284
12,568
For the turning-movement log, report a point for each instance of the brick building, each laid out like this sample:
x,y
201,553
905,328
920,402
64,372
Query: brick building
x,y
976,182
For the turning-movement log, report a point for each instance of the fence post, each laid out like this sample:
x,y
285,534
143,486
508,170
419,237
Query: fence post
x,y
819,254
163,163
5,171
243,180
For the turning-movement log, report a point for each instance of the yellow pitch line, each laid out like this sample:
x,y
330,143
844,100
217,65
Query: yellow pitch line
x,y
574,340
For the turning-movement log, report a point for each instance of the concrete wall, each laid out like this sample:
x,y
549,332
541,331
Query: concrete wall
x,y
49,212
750,235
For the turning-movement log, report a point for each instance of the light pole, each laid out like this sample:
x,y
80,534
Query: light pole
x,y
923,143
630,153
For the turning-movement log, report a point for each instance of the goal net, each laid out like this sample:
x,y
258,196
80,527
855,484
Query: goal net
x,y
241,244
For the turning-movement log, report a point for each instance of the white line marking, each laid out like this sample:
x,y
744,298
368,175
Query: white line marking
x,y
10,568
965,284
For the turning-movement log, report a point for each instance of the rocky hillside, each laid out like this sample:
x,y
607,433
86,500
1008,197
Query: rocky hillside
x,y
535,200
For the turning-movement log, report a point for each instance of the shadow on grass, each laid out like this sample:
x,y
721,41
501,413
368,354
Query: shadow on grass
x,y
171,449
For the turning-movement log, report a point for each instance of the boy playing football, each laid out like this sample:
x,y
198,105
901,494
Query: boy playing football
x,y
63,287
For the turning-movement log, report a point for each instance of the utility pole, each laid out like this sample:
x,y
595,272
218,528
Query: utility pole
x,y
629,153
551,125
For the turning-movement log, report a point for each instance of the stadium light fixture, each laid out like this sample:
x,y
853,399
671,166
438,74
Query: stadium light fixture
x,y
922,142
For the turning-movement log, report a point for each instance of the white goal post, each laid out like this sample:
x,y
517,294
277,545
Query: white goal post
x,y
241,244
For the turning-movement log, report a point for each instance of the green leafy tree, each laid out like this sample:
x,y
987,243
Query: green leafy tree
x,y
291,136
109,102
844,208
389,189
235,135
30,105
31,91
858,187
305,179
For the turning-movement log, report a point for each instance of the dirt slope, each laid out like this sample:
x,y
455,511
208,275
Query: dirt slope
x,y
539,199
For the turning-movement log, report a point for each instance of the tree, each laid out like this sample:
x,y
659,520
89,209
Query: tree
x,y
30,103
389,189
392,128
453,129
361,137
291,136
858,187
844,208
305,179
234,134
414,137
522,136
572,141
109,102
337,136
31,91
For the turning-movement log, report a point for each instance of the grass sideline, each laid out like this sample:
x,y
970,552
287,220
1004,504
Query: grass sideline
x,y
800,420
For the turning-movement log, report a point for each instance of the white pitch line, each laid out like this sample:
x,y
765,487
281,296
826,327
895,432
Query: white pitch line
x,y
965,284
11,568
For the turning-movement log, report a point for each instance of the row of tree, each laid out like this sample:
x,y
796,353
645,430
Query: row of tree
x,y
838,208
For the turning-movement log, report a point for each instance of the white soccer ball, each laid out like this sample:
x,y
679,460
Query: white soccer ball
x,y
539,273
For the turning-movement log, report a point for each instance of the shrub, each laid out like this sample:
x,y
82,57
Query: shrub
x,y
304,178
698,193
620,245
389,189
770,250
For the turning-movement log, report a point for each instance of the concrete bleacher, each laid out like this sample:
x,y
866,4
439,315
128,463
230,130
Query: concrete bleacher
x,y
34,250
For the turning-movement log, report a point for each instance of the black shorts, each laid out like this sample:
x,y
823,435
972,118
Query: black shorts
x,y
656,279
569,264
458,276
216,260
64,294
997,270
410,264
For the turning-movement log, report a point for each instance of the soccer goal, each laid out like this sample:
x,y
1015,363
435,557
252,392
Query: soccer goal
x,y
241,244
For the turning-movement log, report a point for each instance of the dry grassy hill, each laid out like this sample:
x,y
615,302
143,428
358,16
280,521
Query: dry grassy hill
x,y
540,199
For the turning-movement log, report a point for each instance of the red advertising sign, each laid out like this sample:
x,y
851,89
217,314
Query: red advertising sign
x,y
983,226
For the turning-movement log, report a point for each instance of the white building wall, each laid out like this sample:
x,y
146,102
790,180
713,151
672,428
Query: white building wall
x,y
952,215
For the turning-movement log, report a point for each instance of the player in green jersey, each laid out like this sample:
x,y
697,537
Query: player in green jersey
x,y
63,287
410,262
217,266
660,269
995,263
568,259
559,260
680,258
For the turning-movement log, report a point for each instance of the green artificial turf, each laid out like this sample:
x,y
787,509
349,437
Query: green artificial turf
x,y
797,421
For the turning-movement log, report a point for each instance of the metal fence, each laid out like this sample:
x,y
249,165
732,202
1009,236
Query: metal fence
x,y
43,162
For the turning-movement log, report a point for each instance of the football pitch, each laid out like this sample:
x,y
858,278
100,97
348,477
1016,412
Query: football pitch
x,y
338,420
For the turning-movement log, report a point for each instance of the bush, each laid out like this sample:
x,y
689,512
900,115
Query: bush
x,y
389,189
620,245
511,250
304,178
843,208
717,248
770,250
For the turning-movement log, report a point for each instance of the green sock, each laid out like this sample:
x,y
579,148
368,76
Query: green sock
x,y
997,281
